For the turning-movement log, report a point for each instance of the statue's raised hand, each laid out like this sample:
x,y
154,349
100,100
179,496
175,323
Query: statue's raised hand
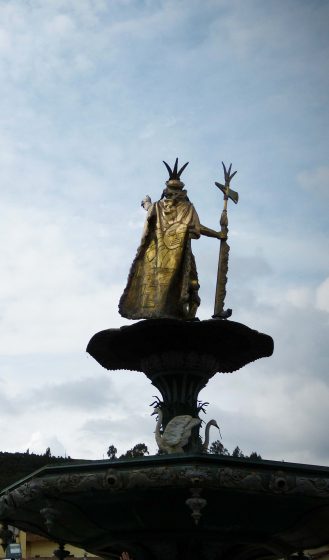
x,y
146,202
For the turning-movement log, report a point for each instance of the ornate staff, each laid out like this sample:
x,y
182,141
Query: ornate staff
x,y
224,250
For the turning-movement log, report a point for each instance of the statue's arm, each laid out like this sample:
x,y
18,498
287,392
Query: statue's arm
x,y
212,233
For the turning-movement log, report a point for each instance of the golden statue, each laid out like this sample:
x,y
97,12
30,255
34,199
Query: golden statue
x,y
163,279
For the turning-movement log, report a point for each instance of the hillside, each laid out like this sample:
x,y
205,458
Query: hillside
x,y
14,466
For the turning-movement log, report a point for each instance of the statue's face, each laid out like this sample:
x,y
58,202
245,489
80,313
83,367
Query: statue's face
x,y
170,194
174,194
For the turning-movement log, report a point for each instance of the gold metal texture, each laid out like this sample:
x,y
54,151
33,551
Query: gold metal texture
x,y
219,312
163,279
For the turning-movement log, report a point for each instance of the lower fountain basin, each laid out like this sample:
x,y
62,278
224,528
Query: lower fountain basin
x,y
179,506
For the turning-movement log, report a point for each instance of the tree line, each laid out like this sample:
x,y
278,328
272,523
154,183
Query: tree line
x,y
216,448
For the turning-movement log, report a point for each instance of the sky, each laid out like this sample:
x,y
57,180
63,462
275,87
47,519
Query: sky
x,y
94,95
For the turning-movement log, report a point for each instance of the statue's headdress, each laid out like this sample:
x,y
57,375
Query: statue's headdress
x,y
174,175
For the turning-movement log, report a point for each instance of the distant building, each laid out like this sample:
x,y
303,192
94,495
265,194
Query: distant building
x,y
34,546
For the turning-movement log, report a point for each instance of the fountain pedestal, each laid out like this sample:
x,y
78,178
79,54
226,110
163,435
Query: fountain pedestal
x,y
189,506
179,357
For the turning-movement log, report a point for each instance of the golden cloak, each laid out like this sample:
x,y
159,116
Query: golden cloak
x,y
163,281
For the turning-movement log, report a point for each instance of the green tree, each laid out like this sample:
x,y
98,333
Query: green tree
x,y
139,450
255,456
217,448
237,452
112,452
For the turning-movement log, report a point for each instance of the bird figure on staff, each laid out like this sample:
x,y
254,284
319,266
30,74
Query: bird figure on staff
x,y
163,279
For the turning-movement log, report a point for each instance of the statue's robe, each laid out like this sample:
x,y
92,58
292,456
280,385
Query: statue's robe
x,y
163,281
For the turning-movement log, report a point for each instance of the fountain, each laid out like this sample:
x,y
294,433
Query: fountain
x,y
182,503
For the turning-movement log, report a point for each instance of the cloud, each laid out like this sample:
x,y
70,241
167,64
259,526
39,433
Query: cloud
x,y
322,296
123,432
300,296
93,394
39,443
290,425
8,406
50,296
316,182
277,406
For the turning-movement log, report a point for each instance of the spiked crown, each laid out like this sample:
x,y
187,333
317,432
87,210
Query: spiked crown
x,y
174,175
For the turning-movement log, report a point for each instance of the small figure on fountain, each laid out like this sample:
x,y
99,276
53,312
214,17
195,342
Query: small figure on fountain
x,y
177,433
